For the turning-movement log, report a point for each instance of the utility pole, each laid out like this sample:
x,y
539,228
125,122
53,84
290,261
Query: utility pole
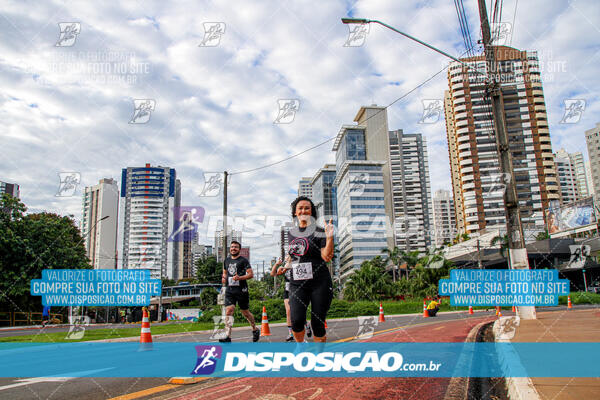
x,y
479,264
224,216
517,252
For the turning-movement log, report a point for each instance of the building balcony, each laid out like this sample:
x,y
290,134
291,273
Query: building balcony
x,y
462,123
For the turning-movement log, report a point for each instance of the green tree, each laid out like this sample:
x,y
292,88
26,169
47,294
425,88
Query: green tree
x,y
29,244
369,282
208,297
393,257
542,235
208,270
503,242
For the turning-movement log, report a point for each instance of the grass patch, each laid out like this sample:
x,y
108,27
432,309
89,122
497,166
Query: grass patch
x,y
338,309
99,334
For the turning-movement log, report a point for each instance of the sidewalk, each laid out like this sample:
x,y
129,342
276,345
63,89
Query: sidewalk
x,y
563,326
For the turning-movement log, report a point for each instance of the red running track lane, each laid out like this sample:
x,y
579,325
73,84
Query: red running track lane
x,y
349,388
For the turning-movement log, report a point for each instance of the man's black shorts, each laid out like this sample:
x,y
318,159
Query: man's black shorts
x,y
286,294
241,298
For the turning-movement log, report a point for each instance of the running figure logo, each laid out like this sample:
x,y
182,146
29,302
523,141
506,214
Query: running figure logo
x,y
357,35
287,110
68,183
366,327
573,111
213,182
186,223
68,33
212,34
142,109
207,359
432,110
501,33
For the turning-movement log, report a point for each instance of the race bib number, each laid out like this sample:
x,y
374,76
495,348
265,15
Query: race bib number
x,y
302,271
232,282
287,286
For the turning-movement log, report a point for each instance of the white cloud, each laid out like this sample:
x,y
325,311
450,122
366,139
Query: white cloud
x,y
215,106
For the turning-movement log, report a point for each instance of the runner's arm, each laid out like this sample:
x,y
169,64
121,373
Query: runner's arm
x,y
274,269
249,275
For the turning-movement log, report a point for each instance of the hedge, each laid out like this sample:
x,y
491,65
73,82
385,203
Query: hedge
x,y
346,309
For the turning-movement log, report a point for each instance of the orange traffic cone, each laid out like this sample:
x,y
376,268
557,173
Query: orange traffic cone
x,y
514,309
381,316
497,309
146,336
569,304
471,310
499,312
425,312
325,324
264,327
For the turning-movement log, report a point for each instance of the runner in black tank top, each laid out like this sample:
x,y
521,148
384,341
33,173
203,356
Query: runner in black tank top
x,y
310,248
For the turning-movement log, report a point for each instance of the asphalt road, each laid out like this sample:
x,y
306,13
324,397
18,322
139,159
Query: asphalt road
x,y
405,328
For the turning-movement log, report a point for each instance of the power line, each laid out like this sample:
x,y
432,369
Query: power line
x,y
332,138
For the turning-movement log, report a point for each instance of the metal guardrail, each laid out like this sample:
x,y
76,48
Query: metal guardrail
x,y
17,318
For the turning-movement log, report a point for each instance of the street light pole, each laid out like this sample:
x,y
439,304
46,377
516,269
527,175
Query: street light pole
x,y
516,243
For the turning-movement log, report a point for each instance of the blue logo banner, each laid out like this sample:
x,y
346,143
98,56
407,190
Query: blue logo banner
x,y
95,287
503,287
300,360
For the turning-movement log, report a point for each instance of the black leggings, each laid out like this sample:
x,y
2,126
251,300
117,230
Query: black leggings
x,y
318,292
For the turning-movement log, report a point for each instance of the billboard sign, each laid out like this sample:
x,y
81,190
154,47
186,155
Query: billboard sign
x,y
570,216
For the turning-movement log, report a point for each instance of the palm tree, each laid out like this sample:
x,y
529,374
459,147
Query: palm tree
x,y
369,282
503,241
393,256
461,237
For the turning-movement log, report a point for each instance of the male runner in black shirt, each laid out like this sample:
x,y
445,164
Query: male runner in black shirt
x,y
236,271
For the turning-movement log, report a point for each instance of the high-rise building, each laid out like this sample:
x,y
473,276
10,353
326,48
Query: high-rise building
x,y
185,261
578,163
100,237
478,186
305,188
146,218
323,193
567,179
444,221
231,235
589,179
411,190
361,202
10,188
592,137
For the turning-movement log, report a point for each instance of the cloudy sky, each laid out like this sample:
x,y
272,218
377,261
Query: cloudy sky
x,y
68,107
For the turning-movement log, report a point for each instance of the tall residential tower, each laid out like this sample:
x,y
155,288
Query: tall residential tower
x,y
146,218
477,183
100,237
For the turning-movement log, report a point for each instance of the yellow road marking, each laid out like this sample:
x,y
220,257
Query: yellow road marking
x,y
145,392
388,330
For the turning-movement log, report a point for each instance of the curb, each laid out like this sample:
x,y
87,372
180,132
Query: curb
x,y
518,388
458,388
